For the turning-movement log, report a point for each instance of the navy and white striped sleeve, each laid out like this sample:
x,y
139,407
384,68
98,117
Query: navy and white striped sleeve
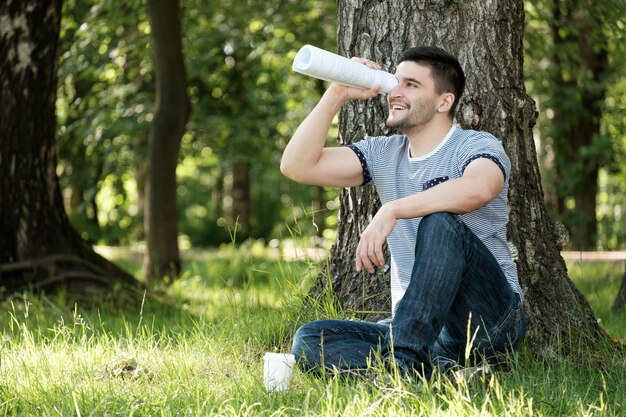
x,y
485,146
367,177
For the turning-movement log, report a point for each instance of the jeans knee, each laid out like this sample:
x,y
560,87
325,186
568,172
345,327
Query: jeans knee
x,y
438,220
439,224
306,340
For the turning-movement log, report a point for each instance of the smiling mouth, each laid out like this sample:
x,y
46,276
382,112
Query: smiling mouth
x,y
397,106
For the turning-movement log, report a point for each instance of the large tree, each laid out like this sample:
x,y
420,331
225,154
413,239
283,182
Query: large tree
x,y
38,248
487,38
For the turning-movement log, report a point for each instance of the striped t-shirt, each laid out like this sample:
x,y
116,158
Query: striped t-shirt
x,y
387,163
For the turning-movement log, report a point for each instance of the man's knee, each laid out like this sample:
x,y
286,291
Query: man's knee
x,y
438,220
307,339
439,225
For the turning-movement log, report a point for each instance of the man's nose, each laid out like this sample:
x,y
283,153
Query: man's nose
x,y
396,92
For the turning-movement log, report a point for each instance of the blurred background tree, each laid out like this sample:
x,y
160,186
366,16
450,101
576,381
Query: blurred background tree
x,y
105,101
245,103
162,259
575,62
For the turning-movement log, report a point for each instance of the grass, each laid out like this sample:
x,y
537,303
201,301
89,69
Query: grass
x,y
600,281
198,345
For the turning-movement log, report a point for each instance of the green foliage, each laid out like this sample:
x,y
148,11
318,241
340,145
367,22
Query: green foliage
x,y
566,45
104,106
245,104
200,344
611,211
600,282
243,92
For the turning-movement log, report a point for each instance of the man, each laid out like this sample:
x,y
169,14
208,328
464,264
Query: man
x,y
444,215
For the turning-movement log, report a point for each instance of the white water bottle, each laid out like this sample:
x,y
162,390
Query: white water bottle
x,y
327,66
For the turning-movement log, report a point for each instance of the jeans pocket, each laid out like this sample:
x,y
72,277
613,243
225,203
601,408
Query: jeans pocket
x,y
509,334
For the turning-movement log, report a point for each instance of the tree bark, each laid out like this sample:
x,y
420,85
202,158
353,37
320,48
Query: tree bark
x,y
162,258
140,169
240,193
487,38
217,194
39,248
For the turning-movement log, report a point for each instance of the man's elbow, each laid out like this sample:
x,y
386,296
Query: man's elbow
x,y
484,196
285,169
289,170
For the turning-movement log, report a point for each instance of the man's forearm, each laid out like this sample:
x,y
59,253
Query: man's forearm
x,y
481,183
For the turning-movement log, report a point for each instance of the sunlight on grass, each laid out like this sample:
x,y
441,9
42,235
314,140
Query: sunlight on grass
x,y
600,282
198,345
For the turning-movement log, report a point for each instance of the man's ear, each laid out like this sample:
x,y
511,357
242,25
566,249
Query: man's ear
x,y
446,102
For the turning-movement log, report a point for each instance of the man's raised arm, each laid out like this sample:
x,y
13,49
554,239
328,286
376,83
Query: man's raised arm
x,y
307,160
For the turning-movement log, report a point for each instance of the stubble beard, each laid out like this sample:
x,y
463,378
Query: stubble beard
x,y
416,115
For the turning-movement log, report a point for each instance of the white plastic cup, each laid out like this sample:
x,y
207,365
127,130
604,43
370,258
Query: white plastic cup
x,y
278,370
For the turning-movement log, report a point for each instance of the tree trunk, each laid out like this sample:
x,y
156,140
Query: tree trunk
x,y
217,195
162,258
577,114
487,38
39,248
141,168
240,193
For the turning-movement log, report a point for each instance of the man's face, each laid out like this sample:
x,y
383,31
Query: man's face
x,y
413,102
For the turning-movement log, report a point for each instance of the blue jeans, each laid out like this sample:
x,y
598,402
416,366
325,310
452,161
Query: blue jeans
x,y
458,302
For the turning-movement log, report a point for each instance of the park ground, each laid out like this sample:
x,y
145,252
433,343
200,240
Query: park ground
x,y
196,348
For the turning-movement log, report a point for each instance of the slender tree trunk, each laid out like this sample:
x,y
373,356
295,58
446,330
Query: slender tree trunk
x,y
217,195
141,169
487,38
77,197
39,248
577,119
162,257
240,193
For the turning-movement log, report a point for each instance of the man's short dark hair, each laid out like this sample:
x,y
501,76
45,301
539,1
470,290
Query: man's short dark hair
x,y
444,67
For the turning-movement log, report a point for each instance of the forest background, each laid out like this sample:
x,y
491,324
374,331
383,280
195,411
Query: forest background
x,y
246,102
195,346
